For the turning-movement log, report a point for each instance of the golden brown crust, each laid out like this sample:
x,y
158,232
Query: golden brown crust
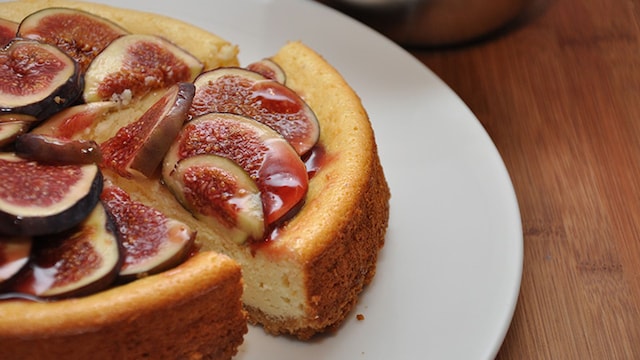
x,y
189,312
349,196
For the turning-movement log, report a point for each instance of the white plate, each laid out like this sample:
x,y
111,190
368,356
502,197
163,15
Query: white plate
x,y
449,275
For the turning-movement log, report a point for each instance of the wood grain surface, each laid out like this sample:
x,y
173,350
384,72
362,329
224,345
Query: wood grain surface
x,y
559,94
558,91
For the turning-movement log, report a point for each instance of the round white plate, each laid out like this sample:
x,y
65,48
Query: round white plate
x,y
449,275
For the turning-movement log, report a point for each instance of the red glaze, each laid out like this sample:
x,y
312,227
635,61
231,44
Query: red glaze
x,y
266,156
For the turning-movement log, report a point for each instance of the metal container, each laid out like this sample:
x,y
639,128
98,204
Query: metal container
x,y
432,22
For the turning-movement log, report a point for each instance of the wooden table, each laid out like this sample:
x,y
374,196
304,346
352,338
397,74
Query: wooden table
x,y
559,94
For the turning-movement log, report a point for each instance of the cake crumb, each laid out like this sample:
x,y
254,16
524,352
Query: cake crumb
x,y
360,317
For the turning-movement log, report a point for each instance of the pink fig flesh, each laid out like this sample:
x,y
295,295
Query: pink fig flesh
x,y
244,92
79,34
73,122
264,154
140,146
8,30
152,241
218,191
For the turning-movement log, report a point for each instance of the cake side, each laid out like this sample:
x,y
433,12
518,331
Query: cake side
x,y
188,312
341,228
211,49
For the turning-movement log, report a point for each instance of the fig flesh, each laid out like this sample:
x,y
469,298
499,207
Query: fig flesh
x,y
8,30
152,242
37,79
269,69
14,254
217,190
264,154
139,147
80,34
10,130
74,122
46,149
38,199
244,92
134,65
77,262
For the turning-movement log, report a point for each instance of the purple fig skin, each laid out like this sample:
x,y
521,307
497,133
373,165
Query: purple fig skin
x,y
71,192
50,150
21,82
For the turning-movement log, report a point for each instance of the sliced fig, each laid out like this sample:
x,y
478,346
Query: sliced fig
x,y
74,122
217,190
9,131
14,254
152,241
50,150
38,199
37,79
140,146
80,34
8,30
134,65
269,159
14,125
269,69
77,262
244,92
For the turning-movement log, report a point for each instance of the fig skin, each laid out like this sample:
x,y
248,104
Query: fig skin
x,y
264,154
80,261
25,210
68,29
138,148
115,74
22,81
248,93
50,150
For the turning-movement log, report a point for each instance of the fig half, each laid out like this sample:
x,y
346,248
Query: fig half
x,y
134,65
269,69
79,34
264,154
244,92
152,242
38,199
77,262
37,79
217,190
74,122
139,147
